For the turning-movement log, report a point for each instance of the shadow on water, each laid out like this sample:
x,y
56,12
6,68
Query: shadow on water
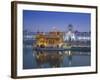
x,y
48,59
56,58
51,59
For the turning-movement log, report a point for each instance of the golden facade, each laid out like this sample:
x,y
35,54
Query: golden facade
x,y
52,39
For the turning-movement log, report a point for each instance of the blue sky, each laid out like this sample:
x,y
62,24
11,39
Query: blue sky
x,y
46,20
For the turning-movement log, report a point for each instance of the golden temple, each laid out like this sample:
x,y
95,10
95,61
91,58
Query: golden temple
x,y
51,39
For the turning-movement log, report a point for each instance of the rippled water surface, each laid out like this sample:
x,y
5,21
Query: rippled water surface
x,y
49,59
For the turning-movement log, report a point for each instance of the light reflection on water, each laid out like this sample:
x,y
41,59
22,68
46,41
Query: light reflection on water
x,y
49,59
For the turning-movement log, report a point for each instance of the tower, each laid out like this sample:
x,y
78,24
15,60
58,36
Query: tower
x,y
69,35
70,28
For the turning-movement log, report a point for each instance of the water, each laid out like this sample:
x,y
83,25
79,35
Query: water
x,y
33,59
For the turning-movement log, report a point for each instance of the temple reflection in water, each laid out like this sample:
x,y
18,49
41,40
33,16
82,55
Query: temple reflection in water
x,y
53,60
50,59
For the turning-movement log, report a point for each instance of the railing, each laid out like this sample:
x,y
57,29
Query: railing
x,y
62,49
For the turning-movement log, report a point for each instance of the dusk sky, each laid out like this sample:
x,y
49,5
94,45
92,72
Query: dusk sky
x,y
46,20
